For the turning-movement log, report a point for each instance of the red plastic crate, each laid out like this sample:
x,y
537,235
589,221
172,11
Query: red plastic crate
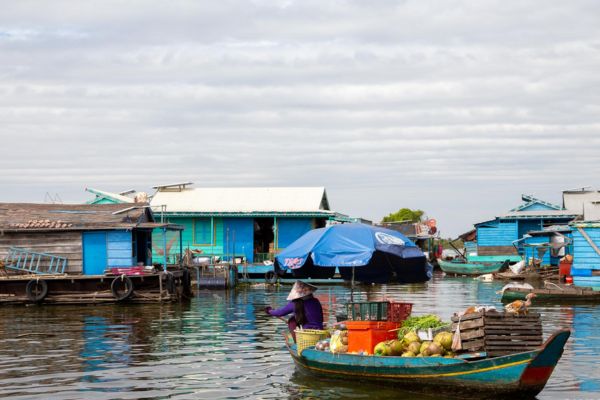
x,y
398,312
364,335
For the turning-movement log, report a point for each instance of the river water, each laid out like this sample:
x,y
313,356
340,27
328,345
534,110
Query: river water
x,y
222,345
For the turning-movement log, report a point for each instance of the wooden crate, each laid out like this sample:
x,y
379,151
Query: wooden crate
x,y
499,333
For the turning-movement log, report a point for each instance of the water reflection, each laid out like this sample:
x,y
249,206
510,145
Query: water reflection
x,y
222,345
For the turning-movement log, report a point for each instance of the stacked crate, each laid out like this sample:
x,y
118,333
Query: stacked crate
x,y
499,333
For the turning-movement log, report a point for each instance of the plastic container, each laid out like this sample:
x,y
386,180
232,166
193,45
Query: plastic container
x,y
368,311
363,336
398,312
564,268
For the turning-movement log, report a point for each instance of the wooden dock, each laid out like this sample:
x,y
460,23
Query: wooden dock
x,y
95,289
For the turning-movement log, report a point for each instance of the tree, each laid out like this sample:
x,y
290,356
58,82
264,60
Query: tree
x,y
404,214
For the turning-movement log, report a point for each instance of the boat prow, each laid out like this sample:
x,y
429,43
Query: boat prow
x,y
520,374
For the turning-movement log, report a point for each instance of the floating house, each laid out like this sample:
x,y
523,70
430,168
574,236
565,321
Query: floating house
x,y
495,238
77,238
248,224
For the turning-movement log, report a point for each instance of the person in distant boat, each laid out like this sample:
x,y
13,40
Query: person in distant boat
x,y
308,313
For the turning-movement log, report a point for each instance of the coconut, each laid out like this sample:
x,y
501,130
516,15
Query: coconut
x,y
424,346
414,347
411,337
397,347
435,349
444,339
380,349
408,354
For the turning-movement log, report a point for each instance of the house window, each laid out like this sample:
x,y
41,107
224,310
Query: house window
x,y
203,231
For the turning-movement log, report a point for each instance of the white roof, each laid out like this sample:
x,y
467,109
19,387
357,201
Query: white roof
x,y
246,200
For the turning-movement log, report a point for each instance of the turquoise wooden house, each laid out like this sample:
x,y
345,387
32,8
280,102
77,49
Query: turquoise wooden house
x,y
586,254
250,224
497,237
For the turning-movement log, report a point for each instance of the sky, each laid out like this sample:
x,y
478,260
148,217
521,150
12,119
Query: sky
x,y
453,107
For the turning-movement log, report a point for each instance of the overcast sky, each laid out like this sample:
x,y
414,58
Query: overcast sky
x,y
453,107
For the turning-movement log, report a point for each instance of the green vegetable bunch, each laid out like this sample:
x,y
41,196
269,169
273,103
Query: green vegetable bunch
x,y
418,323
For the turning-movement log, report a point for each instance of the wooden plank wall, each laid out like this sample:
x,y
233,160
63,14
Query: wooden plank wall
x,y
64,244
495,250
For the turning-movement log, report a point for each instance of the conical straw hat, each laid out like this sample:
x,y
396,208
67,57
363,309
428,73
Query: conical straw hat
x,y
300,289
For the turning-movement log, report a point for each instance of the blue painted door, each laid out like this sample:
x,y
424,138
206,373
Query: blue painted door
x,y
238,237
94,253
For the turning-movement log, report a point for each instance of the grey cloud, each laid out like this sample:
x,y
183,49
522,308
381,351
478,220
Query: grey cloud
x,y
455,107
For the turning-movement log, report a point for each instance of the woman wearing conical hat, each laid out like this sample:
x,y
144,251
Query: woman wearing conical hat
x,y
307,310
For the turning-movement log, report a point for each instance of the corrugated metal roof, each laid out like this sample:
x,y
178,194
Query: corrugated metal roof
x,y
539,214
243,200
32,217
108,195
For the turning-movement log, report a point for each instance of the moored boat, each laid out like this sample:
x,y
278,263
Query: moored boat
x,y
462,267
553,294
519,374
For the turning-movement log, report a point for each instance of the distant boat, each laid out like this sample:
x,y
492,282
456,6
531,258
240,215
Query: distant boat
x,y
553,293
461,267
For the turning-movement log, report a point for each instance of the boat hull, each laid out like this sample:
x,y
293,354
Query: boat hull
x,y
523,374
552,295
455,268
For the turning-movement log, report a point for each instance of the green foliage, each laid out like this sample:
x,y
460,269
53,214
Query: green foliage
x,y
405,214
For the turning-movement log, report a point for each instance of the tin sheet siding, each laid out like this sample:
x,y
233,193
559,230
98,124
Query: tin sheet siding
x,y
585,258
497,234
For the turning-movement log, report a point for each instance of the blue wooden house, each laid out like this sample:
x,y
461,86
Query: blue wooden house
x,y
586,253
88,239
250,224
497,237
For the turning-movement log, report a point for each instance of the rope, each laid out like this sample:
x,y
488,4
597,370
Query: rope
x,y
546,284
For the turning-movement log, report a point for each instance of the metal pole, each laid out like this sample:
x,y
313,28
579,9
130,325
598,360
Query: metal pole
x,y
164,249
180,248
352,287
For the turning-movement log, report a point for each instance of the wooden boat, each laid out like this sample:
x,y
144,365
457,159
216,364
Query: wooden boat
x,y
519,374
462,267
557,293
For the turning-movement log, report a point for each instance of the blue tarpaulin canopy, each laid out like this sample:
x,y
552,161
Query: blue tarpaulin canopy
x,y
385,252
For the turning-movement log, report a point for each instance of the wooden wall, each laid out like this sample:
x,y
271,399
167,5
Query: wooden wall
x,y
585,258
495,250
64,244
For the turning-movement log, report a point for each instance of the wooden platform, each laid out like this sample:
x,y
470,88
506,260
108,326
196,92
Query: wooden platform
x,y
95,289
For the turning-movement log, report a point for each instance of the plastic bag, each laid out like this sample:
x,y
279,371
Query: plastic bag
x,y
339,342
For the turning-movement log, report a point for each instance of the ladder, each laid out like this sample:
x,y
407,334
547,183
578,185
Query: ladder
x,y
34,263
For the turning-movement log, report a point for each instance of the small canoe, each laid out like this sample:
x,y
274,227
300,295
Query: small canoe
x,y
459,267
520,374
554,294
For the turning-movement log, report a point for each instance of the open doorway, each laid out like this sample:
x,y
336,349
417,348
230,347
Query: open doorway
x,y
263,239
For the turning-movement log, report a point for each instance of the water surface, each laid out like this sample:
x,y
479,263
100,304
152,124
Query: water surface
x,y
222,345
